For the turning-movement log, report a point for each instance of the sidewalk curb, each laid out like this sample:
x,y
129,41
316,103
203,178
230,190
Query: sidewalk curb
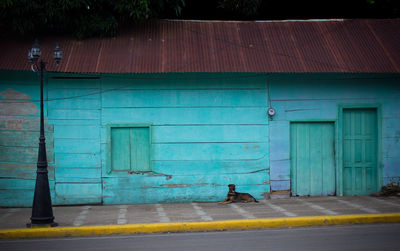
x,y
199,226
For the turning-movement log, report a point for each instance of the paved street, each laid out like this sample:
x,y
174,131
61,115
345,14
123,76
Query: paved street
x,y
354,237
89,215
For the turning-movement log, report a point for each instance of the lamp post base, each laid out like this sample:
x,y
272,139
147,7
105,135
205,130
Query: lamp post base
x,y
41,222
41,225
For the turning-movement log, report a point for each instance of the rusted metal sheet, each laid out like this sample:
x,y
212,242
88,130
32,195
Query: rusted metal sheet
x,y
217,46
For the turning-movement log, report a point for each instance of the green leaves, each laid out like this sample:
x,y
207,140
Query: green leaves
x,y
82,18
241,8
88,18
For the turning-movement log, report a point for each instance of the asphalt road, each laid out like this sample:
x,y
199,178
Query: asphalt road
x,y
355,237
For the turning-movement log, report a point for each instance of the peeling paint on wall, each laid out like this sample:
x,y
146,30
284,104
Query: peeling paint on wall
x,y
16,103
19,140
225,136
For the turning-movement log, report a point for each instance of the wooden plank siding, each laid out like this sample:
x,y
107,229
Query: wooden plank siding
x,y
205,135
317,98
207,130
19,139
74,109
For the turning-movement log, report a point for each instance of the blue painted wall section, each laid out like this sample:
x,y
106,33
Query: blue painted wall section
x,y
207,131
74,108
317,97
19,138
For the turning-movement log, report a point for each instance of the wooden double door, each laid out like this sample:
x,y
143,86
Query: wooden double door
x,y
313,155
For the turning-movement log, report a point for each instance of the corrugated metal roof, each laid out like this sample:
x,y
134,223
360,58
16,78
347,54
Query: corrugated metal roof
x,y
219,46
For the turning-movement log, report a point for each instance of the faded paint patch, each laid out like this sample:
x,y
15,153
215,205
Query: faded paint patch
x,y
11,94
16,103
19,138
23,123
22,171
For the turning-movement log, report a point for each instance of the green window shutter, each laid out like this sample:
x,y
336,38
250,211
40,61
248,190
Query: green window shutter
x,y
140,149
120,147
130,149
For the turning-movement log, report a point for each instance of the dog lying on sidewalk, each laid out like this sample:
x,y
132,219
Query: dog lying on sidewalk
x,y
234,196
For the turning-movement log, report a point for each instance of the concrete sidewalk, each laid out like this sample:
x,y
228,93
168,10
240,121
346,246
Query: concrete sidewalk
x,y
207,216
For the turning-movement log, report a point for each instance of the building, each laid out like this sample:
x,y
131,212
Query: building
x,y
174,111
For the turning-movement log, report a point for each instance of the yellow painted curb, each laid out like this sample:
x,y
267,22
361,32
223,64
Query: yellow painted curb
x,y
199,226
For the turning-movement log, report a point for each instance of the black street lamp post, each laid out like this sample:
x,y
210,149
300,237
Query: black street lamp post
x,y
42,211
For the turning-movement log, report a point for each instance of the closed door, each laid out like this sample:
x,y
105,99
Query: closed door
x,y
312,158
359,151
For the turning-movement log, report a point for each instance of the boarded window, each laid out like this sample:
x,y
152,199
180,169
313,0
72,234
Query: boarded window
x,y
130,149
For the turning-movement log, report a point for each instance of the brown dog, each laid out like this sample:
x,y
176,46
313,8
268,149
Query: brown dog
x,y
234,196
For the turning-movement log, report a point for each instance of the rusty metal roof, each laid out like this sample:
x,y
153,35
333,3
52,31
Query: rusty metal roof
x,y
222,46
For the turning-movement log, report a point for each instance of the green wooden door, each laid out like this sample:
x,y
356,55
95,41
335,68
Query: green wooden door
x,y
312,158
359,151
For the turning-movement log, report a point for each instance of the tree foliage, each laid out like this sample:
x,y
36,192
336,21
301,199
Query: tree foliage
x,y
82,18
88,18
240,8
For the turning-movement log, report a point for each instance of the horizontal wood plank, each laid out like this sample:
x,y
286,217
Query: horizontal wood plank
x,y
78,160
75,114
71,81
217,133
23,154
78,193
204,134
188,116
78,175
197,81
69,94
74,104
22,171
212,167
87,146
23,123
82,122
20,184
184,98
180,189
24,138
330,86
210,151
76,132
149,180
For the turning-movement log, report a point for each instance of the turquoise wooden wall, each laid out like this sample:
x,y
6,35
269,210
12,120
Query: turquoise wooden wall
x,y
19,138
207,131
74,109
318,97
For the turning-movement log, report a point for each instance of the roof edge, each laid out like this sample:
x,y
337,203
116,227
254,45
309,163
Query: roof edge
x,y
255,21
